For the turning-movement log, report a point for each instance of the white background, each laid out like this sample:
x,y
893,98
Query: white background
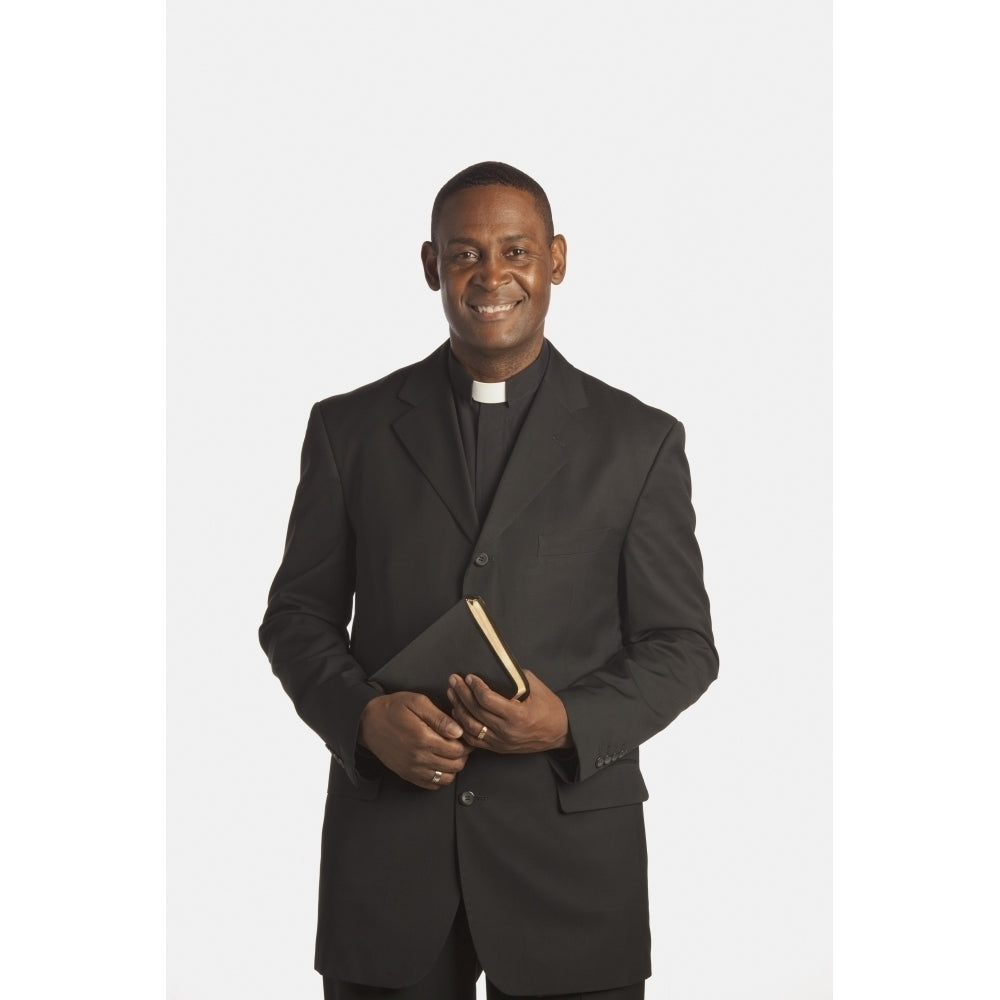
x,y
82,716
686,153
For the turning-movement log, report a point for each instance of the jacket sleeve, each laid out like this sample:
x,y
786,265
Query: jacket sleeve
x,y
304,631
668,657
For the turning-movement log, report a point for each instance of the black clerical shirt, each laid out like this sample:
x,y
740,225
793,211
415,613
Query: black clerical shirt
x,y
489,430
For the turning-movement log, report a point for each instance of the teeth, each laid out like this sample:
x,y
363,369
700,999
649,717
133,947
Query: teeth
x,y
496,309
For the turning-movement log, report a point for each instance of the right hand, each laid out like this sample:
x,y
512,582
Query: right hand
x,y
413,738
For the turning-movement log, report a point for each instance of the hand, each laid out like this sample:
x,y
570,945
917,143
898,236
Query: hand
x,y
413,738
537,723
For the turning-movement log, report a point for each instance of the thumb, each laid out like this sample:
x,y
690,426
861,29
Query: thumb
x,y
534,681
425,710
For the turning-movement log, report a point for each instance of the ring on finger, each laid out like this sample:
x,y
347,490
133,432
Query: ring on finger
x,y
483,732
436,779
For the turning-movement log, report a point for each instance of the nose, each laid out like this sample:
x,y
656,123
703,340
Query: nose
x,y
492,271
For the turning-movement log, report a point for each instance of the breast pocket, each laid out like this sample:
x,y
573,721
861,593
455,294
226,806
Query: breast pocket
x,y
570,543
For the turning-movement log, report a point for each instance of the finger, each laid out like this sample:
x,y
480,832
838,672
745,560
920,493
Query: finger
x,y
446,767
468,722
432,779
488,702
452,752
488,742
463,690
473,742
457,688
477,735
473,723
462,700
450,756
438,772
428,713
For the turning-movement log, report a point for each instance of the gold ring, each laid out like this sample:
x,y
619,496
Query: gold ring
x,y
482,733
437,777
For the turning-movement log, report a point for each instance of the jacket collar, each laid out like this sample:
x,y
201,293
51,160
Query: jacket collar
x,y
429,432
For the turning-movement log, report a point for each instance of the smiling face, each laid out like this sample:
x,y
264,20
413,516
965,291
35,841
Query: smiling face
x,y
494,263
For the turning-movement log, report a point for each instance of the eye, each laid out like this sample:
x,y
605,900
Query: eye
x,y
516,252
465,255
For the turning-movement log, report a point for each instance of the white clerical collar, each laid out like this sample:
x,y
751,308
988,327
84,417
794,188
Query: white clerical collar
x,y
489,392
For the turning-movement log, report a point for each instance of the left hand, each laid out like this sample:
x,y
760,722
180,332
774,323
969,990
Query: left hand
x,y
537,723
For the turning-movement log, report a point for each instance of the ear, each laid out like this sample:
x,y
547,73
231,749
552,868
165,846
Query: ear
x,y
557,249
429,257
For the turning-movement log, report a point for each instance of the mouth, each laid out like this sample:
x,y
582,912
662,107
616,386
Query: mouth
x,y
495,310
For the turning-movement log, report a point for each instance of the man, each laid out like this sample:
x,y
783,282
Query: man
x,y
503,835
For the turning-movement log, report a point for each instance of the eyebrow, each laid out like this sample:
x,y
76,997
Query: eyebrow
x,y
511,238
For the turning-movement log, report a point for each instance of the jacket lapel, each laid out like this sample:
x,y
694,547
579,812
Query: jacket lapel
x,y
543,446
429,432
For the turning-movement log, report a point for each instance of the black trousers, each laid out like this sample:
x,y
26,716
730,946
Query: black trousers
x,y
454,977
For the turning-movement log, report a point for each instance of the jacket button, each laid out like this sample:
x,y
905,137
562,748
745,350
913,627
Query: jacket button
x,y
467,798
482,559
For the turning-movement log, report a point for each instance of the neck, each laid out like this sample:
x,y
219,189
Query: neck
x,y
495,367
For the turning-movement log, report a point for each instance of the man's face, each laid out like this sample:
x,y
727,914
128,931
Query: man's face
x,y
494,264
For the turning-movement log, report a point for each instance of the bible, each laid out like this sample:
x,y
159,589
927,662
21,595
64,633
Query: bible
x,y
464,640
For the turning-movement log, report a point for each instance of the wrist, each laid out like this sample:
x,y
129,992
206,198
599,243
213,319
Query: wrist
x,y
563,739
364,722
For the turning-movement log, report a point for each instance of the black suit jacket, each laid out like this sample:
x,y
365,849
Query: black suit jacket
x,y
588,560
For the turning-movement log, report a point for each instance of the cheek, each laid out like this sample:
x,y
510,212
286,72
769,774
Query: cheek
x,y
453,291
538,290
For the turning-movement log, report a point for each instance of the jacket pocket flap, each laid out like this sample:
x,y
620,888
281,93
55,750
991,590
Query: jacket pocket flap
x,y
620,785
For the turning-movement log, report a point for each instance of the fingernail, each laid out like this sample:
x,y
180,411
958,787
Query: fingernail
x,y
455,731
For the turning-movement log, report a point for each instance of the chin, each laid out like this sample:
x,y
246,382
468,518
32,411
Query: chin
x,y
501,344
498,341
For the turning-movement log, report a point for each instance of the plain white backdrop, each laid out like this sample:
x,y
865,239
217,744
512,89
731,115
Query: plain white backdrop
x,y
82,427
686,152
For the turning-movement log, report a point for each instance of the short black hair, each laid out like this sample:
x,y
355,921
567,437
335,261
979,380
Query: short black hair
x,y
491,172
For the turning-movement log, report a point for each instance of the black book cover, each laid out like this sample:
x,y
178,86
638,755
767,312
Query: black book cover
x,y
464,640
